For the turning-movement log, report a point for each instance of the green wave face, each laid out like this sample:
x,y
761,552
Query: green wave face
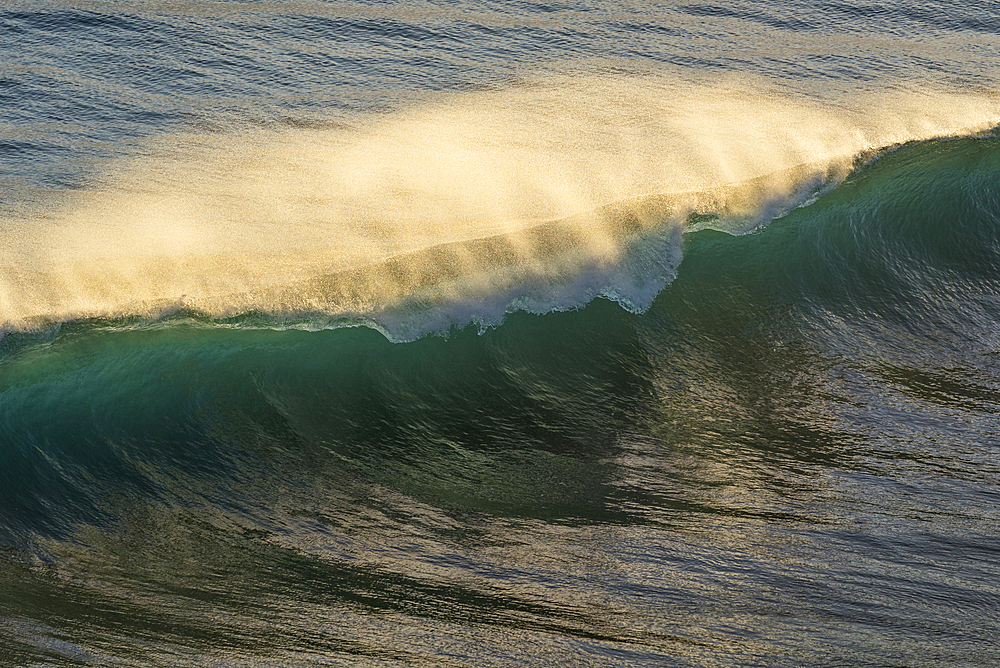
x,y
900,259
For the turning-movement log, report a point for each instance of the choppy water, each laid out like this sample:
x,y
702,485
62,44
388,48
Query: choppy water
x,y
499,334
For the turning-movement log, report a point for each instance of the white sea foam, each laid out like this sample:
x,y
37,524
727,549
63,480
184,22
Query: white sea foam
x,y
538,197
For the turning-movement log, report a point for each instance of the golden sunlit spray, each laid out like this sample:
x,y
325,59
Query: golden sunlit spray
x,y
456,203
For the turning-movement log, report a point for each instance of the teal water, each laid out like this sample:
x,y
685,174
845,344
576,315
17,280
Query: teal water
x,y
731,430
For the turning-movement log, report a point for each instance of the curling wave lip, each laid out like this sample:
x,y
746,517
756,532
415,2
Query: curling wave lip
x,y
532,198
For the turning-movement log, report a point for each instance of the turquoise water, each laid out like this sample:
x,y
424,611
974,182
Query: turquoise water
x,y
481,334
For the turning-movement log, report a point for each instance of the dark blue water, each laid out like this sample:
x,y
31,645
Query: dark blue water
x,y
499,334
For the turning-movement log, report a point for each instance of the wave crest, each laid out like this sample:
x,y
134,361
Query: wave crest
x,y
539,198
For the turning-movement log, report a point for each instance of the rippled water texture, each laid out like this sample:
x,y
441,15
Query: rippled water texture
x,y
483,334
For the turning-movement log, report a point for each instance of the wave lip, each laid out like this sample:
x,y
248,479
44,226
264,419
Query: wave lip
x,y
536,198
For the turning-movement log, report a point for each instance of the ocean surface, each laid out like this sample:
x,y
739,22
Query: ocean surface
x,y
478,333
